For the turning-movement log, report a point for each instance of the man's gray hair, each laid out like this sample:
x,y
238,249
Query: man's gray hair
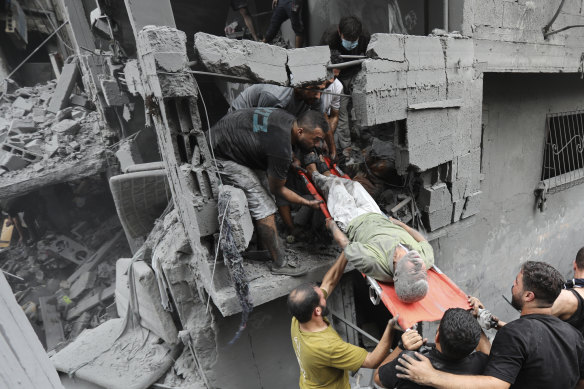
x,y
410,278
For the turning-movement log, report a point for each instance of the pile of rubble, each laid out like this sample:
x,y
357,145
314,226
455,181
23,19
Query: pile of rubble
x,y
66,284
36,133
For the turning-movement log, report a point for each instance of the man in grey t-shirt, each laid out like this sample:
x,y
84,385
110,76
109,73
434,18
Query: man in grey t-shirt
x,y
293,100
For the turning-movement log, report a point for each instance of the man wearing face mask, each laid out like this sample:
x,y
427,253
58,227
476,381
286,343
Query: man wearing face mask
x,y
261,139
348,38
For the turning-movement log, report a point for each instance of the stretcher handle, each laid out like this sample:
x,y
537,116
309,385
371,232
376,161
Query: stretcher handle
x,y
312,189
374,290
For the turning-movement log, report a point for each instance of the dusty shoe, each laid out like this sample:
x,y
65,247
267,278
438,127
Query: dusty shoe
x,y
289,270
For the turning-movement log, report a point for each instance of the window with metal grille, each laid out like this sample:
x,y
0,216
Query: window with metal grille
x,y
563,157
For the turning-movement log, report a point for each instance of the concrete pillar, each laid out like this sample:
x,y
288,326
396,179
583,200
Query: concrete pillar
x,y
149,12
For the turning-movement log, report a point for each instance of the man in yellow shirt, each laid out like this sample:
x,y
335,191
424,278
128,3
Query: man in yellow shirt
x,y
324,358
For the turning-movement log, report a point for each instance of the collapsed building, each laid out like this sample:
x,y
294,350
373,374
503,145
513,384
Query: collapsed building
x,y
470,123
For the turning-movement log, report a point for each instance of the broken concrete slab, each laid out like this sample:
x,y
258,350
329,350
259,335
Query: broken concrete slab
x,y
52,324
113,358
64,113
439,218
156,42
11,162
112,93
257,61
24,104
152,313
238,216
128,154
435,198
472,205
23,126
79,100
308,65
66,127
82,284
387,46
35,146
132,77
89,302
65,85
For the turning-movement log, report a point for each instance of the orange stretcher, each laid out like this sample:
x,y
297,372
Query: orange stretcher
x,y
442,292
442,295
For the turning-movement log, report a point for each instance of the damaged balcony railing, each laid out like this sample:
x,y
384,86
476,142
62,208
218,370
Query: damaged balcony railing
x,y
563,163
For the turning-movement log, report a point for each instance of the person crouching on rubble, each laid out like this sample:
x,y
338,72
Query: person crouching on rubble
x,y
381,247
261,139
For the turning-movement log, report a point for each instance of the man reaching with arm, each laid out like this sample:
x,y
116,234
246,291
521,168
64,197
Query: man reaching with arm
x,y
323,357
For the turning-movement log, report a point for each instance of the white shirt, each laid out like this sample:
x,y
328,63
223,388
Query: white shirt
x,y
328,102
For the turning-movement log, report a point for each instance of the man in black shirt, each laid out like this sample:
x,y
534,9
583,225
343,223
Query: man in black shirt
x,y
458,335
569,306
348,38
537,350
253,139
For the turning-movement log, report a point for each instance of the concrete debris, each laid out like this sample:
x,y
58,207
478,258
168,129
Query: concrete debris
x,y
66,127
67,80
387,46
24,104
308,65
257,61
79,100
112,93
32,134
128,154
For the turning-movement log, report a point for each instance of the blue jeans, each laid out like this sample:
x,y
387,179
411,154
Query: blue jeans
x,y
286,9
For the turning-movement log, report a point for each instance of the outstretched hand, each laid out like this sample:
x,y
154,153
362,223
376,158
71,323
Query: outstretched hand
x,y
420,371
475,304
314,204
412,340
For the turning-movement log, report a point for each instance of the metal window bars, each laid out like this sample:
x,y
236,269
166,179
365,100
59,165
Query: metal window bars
x,y
563,160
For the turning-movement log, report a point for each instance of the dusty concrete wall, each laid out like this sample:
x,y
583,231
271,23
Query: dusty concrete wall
x,y
508,35
433,86
262,357
483,257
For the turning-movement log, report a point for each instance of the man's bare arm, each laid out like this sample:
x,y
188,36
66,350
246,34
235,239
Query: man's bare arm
x,y
565,305
421,372
338,235
484,345
414,233
334,274
580,385
375,357
277,187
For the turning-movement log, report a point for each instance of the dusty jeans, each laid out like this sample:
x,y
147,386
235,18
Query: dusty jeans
x,y
260,202
346,199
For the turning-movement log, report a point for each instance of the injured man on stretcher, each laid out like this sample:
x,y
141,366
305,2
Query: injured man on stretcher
x,y
381,247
